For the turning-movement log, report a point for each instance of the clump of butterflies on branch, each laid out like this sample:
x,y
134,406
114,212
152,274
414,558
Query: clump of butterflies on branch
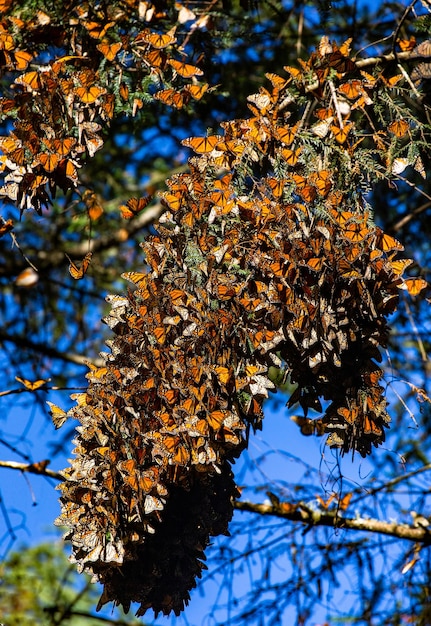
x,y
114,59
267,255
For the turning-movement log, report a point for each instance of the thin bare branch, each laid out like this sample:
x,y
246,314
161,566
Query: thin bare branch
x,y
32,468
309,517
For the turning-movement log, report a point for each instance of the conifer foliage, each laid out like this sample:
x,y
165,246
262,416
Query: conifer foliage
x,y
267,254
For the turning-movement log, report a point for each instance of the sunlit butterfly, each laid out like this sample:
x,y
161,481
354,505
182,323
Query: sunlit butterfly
x,y
290,156
414,285
399,127
96,30
134,206
352,90
341,134
22,59
58,415
407,44
32,385
286,134
419,167
202,145
155,58
159,41
399,165
424,48
171,97
184,69
400,265
89,94
350,415
78,272
386,242
32,80
196,91
109,50
321,129
48,161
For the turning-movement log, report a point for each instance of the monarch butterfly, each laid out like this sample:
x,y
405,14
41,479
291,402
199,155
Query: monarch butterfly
x,y
399,165
185,70
196,91
424,48
159,41
31,80
291,156
309,426
400,265
326,504
172,201
371,428
67,169
155,58
5,226
170,97
202,145
32,385
407,44
277,186
321,129
341,134
419,167
308,193
108,50
325,46
134,206
216,419
92,140
286,134
89,94
223,374
322,182
344,502
78,272
225,293
339,62
315,263
295,73
352,90
124,91
386,242
414,285
350,415
22,59
27,278
48,161
58,415
61,147
356,232
96,30
399,128
300,181
392,81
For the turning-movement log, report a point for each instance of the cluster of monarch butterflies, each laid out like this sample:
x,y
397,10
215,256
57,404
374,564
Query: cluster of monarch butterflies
x,y
266,255
114,60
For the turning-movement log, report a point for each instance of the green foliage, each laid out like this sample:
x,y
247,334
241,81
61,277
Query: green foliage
x,y
39,586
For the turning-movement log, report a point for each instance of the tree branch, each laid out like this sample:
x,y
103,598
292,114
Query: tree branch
x,y
33,468
310,517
